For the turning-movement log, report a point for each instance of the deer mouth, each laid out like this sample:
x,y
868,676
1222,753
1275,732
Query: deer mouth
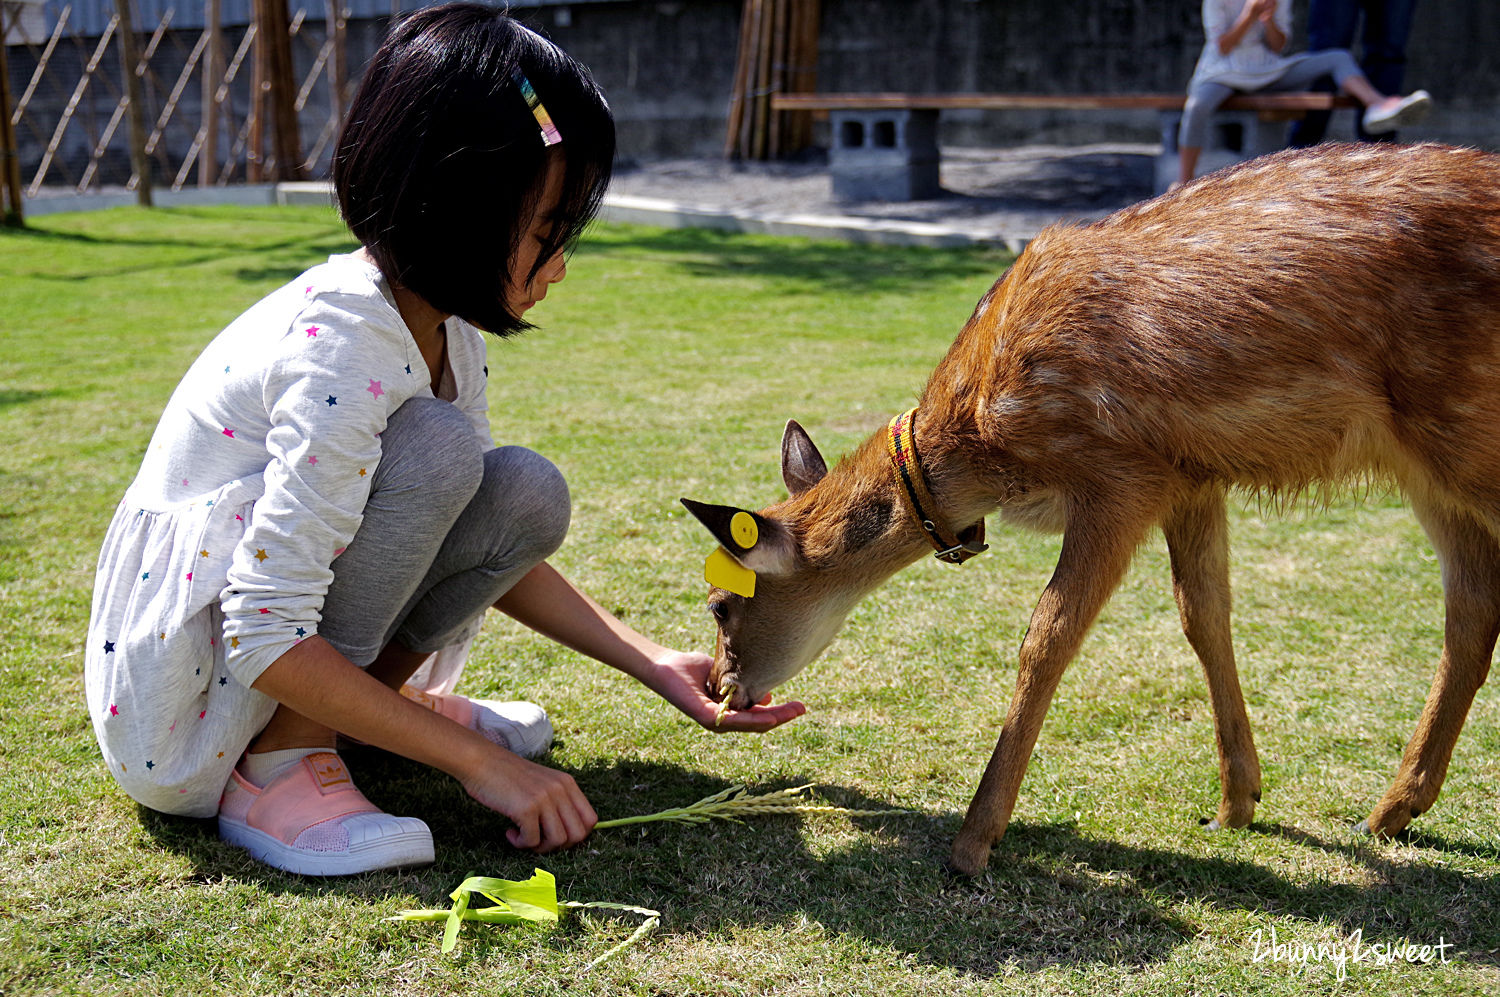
x,y
731,692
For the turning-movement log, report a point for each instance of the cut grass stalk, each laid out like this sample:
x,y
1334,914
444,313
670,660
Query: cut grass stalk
x,y
728,691
733,803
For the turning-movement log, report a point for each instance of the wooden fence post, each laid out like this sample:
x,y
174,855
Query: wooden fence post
x,y
338,66
213,75
130,59
13,214
277,89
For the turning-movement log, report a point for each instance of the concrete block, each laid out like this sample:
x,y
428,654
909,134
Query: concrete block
x,y
884,155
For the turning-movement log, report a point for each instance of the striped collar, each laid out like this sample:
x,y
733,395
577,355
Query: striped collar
x,y
901,448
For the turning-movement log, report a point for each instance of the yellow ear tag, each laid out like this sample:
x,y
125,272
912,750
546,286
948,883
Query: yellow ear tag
x,y
723,571
742,527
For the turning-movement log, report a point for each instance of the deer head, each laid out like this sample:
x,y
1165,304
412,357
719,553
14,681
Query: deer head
x,y
784,578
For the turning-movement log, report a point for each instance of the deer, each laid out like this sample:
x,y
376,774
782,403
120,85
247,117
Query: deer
x,y
1296,325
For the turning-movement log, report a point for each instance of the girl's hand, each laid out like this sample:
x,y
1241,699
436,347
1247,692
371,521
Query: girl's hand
x,y
549,809
681,678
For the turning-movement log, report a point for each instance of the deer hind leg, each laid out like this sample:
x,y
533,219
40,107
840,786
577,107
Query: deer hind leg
x,y
1470,559
1096,550
1197,534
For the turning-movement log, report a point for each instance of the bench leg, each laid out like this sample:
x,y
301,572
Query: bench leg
x,y
884,155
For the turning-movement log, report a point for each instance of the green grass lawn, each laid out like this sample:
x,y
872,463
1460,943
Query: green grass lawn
x,y
664,367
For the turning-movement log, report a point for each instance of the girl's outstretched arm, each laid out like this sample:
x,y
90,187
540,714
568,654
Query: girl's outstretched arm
x,y
318,682
548,603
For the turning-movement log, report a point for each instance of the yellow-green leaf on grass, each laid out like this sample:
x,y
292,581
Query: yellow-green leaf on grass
x,y
529,901
533,899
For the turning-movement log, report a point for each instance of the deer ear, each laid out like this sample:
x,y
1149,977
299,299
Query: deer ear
x,y
801,464
756,542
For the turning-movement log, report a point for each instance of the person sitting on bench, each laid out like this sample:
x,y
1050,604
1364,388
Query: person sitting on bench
x,y
1243,53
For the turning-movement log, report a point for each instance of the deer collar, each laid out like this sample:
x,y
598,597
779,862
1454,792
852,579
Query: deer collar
x,y
901,448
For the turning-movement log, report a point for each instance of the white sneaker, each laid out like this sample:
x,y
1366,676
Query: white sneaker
x,y
516,725
1411,109
519,726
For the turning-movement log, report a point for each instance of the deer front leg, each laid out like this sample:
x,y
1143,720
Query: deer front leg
x,y
1197,535
1096,550
1470,557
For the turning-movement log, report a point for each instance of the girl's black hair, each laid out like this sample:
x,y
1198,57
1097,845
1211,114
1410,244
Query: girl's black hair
x,y
441,162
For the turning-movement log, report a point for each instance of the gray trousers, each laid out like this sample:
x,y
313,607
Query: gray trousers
x,y
1205,98
447,530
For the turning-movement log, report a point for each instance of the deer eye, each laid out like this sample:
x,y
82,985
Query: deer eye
x,y
720,611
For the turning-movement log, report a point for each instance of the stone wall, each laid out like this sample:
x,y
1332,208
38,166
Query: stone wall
x,y
667,66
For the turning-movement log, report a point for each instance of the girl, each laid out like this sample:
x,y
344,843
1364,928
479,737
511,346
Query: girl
x,y
1243,53
321,515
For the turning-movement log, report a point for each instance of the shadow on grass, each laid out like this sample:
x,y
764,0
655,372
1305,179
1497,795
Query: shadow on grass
x,y
794,264
309,247
1051,896
798,265
21,396
53,236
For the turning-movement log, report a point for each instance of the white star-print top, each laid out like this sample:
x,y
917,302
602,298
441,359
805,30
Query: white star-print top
x,y
255,480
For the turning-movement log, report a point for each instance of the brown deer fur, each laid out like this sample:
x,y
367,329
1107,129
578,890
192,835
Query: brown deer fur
x,y
1289,325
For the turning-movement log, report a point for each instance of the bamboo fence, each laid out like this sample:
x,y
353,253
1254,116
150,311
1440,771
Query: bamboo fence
x,y
251,99
778,53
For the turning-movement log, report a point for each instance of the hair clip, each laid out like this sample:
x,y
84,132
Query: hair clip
x,y
550,134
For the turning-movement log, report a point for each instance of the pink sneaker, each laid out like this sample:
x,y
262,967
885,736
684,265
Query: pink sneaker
x,y
517,726
312,821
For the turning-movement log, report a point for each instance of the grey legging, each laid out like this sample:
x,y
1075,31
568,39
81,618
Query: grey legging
x,y
447,530
1204,98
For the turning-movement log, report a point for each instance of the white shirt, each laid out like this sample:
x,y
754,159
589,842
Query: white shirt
x,y
1250,65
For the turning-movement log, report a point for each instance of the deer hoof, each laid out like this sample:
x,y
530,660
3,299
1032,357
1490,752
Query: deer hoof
x,y
1388,821
967,860
1229,817
954,874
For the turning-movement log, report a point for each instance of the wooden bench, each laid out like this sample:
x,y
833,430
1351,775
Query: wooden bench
x,y
884,145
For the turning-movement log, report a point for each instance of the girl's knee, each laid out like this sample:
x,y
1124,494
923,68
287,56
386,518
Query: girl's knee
x,y
531,493
429,443
1343,67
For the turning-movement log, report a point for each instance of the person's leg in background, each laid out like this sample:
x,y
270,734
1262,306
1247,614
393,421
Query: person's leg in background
x,y
1197,115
